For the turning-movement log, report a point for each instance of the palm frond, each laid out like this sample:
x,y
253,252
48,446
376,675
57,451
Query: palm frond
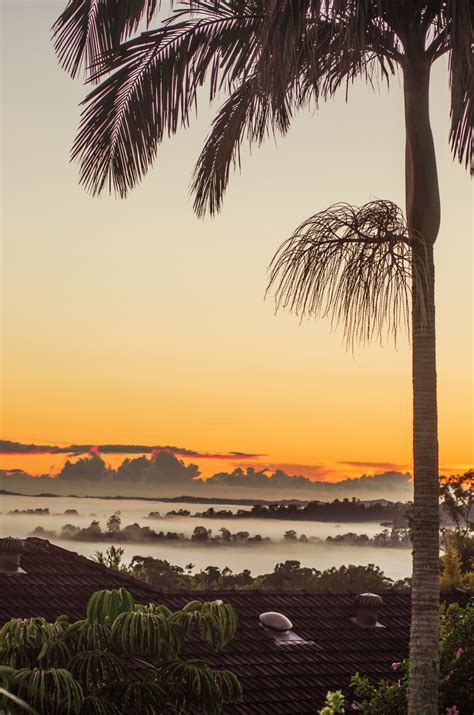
x,y
247,113
214,620
49,691
145,698
350,264
195,687
89,31
96,669
152,92
103,608
94,705
336,41
141,633
8,699
459,22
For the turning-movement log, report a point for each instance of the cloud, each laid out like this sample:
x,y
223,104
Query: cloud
x,y
7,447
373,465
164,475
315,472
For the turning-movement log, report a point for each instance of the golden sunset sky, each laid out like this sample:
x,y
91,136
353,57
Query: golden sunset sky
x,y
134,322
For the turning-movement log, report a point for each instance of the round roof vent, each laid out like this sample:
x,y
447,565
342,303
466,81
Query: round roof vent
x,y
276,621
369,601
368,605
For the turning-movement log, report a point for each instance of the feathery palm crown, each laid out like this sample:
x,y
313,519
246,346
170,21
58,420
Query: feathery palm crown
x,y
270,57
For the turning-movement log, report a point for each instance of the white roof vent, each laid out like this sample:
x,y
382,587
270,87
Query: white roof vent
x,y
275,621
279,628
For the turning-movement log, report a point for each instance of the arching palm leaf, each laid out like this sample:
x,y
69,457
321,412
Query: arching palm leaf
x,y
151,93
94,705
8,700
294,52
105,606
143,634
49,691
214,620
353,265
89,31
195,687
26,642
89,636
145,698
96,669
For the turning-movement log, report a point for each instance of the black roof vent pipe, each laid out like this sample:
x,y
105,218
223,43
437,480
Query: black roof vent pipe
x,y
368,606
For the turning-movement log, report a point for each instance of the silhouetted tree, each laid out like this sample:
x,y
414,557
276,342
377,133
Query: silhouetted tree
x,y
273,57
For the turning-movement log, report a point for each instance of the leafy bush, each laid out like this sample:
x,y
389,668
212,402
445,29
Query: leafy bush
x,y
334,704
90,666
457,658
456,671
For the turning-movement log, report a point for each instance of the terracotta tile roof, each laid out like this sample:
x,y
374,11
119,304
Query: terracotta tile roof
x,y
277,679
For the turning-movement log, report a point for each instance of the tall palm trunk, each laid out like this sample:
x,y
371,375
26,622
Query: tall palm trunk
x,y
423,216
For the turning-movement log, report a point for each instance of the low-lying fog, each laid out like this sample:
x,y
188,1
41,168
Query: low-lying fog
x,y
396,563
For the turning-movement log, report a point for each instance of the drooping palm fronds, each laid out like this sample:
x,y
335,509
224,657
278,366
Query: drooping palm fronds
x,y
152,92
283,53
106,605
97,651
146,698
294,52
246,114
89,31
197,687
94,670
457,20
94,705
353,265
49,691
7,700
214,620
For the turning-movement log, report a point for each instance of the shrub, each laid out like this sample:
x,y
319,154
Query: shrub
x,y
456,671
91,666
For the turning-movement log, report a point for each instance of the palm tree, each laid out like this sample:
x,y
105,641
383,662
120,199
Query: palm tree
x,y
273,57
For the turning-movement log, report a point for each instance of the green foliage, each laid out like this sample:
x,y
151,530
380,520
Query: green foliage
x,y
334,703
452,576
456,671
289,575
8,700
385,698
195,684
215,620
91,676
94,670
106,606
457,658
26,641
49,691
141,633
457,497
146,698
98,706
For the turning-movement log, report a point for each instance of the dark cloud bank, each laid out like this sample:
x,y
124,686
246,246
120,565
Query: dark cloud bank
x,y
164,475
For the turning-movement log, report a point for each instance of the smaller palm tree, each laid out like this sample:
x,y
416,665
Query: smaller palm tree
x,y
84,668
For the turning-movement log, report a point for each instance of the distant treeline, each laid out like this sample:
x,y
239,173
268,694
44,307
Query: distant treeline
x,y
39,511
348,510
289,575
134,533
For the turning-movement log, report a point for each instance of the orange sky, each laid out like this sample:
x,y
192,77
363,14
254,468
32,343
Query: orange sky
x,y
134,322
